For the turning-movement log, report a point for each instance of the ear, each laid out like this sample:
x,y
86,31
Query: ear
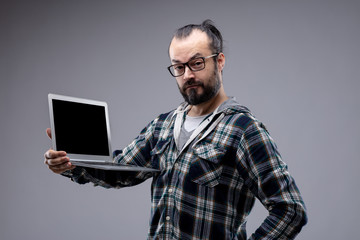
x,y
221,61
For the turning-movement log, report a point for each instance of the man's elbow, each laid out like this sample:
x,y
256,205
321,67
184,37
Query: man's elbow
x,y
299,220
303,217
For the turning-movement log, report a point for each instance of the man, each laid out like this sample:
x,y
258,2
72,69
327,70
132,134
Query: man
x,y
214,157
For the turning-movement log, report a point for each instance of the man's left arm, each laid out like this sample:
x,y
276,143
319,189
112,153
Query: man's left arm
x,y
268,178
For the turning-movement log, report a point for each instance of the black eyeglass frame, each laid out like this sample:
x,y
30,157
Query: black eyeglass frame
x,y
187,64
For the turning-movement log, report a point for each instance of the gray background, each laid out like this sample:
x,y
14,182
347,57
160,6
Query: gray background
x,y
295,64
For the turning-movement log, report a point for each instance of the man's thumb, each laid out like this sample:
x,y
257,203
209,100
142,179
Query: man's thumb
x,y
48,132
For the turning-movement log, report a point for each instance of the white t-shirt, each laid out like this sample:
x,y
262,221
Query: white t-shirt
x,y
190,124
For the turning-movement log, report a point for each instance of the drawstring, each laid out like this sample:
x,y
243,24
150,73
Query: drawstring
x,y
213,125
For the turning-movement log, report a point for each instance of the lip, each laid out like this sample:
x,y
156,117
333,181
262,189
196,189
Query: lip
x,y
193,86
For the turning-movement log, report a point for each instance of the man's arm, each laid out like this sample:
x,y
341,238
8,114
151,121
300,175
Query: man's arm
x,y
267,177
137,153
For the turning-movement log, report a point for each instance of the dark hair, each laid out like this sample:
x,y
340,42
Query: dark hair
x,y
207,26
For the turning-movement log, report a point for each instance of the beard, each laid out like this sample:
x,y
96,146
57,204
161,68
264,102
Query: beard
x,y
209,91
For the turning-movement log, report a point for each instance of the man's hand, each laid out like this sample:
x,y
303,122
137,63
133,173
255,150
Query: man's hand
x,y
57,161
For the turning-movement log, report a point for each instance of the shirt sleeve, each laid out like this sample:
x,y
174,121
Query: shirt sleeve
x,y
268,178
137,153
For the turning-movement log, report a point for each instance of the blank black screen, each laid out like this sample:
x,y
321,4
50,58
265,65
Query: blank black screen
x,y
80,128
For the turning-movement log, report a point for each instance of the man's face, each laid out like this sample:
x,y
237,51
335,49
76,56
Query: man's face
x,y
201,86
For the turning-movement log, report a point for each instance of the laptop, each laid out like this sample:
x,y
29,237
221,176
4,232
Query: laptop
x,y
80,127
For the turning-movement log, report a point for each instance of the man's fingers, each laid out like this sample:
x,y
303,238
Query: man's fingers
x,y
57,161
50,154
61,167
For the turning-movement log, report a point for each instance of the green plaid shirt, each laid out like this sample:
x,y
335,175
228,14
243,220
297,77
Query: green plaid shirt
x,y
207,189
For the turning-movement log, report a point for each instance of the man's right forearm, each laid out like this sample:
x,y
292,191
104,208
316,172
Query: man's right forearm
x,y
103,178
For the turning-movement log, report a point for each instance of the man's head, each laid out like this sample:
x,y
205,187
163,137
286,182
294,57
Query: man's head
x,y
197,61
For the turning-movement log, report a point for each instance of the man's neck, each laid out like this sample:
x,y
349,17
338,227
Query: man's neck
x,y
209,106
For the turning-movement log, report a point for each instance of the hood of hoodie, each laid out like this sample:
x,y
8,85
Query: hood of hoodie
x,y
231,106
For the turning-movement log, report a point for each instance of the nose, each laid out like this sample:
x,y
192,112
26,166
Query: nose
x,y
188,74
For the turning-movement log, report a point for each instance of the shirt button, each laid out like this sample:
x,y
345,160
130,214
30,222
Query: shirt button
x,y
167,218
176,165
170,190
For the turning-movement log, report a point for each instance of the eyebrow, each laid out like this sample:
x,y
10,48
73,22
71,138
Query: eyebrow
x,y
196,55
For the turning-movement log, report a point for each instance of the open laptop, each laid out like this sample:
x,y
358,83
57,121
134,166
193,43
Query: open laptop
x,y
80,127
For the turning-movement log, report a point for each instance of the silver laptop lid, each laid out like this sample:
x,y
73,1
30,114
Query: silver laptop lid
x,y
80,127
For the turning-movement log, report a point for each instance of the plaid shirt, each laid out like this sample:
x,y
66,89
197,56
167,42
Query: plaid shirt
x,y
207,189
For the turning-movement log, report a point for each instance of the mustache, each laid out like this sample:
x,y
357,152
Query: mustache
x,y
191,83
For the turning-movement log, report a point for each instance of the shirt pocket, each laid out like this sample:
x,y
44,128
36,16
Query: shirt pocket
x,y
207,168
158,156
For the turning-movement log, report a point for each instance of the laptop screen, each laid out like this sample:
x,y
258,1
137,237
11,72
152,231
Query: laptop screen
x,y
80,128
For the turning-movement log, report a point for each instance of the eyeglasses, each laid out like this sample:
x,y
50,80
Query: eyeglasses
x,y
196,64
